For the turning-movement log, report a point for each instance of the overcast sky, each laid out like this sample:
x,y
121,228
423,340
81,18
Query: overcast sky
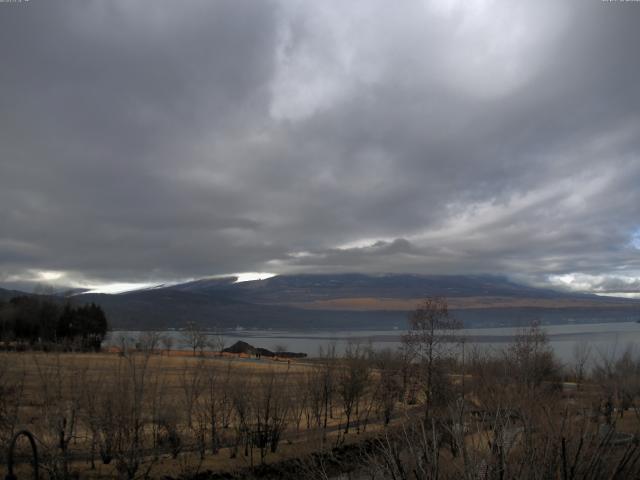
x,y
153,140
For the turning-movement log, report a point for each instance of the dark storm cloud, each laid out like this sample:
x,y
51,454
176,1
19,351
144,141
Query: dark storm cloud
x,y
146,141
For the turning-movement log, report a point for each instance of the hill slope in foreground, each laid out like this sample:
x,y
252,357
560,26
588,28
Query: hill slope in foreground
x,y
352,301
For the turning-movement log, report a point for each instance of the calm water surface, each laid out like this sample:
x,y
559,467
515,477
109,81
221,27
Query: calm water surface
x,y
604,338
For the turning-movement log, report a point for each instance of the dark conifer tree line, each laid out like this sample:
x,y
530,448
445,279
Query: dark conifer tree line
x,y
36,321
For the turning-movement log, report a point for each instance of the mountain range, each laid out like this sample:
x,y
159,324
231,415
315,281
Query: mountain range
x,y
348,301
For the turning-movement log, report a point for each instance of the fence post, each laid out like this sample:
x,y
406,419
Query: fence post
x,y
34,450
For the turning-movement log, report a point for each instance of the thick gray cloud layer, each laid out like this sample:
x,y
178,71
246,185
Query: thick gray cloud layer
x,y
158,140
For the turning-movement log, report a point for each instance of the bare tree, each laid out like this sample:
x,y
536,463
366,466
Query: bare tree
x,y
60,391
192,386
211,407
226,401
326,382
167,342
618,376
352,379
388,389
300,399
92,395
107,422
242,407
170,428
157,404
195,337
217,341
531,357
314,383
149,341
134,388
124,344
432,333
12,382
270,409
581,355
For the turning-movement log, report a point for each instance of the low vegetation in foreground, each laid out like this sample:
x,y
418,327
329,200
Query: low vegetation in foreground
x,y
435,408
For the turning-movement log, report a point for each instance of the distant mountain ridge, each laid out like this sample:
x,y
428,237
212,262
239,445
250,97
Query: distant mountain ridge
x,y
6,294
301,288
350,301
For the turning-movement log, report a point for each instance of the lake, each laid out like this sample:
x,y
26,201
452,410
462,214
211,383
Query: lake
x,y
604,338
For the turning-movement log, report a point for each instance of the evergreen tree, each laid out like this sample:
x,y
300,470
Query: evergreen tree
x,y
40,320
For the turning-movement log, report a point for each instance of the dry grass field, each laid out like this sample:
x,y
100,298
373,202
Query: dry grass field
x,y
103,415
408,304
507,414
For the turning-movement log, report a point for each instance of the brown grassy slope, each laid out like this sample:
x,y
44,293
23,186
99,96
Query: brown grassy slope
x,y
407,304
